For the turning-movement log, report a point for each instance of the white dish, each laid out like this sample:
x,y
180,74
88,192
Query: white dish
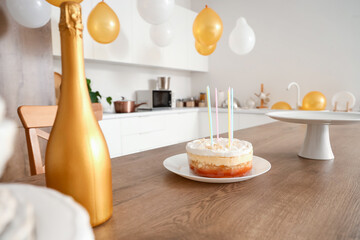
x,y
316,117
22,225
342,100
179,165
57,216
317,141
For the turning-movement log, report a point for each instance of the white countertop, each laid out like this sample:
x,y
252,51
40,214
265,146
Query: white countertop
x,y
107,116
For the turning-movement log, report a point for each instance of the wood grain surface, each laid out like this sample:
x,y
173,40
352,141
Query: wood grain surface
x,y
296,199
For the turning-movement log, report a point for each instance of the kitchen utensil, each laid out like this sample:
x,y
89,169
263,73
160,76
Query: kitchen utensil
x,y
202,96
236,103
179,165
221,98
179,103
202,104
343,101
190,103
163,83
317,142
126,106
250,103
264,97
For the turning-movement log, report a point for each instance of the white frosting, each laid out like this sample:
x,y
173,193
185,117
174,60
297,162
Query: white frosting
x,y
220,147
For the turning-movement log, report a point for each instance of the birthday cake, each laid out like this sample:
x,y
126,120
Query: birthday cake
x,y
220,159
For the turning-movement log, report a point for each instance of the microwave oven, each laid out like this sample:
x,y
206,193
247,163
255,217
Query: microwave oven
x,y
154,99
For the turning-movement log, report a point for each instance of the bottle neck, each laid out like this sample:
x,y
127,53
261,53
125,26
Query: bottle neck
x,y
73,86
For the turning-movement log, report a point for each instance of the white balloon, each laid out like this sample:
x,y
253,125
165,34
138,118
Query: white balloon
x,y
29,13
155,11
242,38
162,35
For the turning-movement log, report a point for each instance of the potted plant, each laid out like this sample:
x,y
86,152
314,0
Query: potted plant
x,y
96,96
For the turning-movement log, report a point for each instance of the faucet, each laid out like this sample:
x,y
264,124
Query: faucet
x,y
298,104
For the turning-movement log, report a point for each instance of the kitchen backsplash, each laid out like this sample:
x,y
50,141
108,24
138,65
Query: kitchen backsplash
x,y
117,80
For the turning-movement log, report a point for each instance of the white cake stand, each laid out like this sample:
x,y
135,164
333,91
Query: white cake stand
x,y
317,141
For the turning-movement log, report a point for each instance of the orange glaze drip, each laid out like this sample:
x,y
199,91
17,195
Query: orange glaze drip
x,y
222,171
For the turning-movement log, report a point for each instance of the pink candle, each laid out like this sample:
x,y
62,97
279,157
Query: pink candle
x,y
217,115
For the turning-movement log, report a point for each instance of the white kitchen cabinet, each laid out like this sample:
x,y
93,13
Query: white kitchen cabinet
x,y
113,135
142,124
204,130
133,45
134,134
181,127
176,54
144,51
139,133
243,121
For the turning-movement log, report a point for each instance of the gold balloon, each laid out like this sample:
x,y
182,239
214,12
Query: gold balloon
x,y
207,27
281,105
314,101
203,49
103,24
57,3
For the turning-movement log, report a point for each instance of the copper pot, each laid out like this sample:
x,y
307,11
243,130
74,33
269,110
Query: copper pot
x,y
126,106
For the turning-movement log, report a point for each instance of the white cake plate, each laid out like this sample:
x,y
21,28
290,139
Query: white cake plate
x,y
179,165
57,216
317,141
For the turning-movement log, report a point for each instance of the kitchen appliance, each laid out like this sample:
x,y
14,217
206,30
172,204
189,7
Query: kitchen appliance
x,y
126,106
154,99
163,83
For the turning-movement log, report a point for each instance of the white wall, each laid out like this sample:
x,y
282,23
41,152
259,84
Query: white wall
x,y
118,80
183,3
315,43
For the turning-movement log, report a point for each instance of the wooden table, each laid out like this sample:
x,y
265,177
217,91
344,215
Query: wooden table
x,y
296,199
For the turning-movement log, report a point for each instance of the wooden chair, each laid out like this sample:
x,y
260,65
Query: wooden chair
x,y
57,83
35,117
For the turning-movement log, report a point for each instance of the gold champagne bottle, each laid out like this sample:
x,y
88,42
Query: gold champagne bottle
x,y
77,161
